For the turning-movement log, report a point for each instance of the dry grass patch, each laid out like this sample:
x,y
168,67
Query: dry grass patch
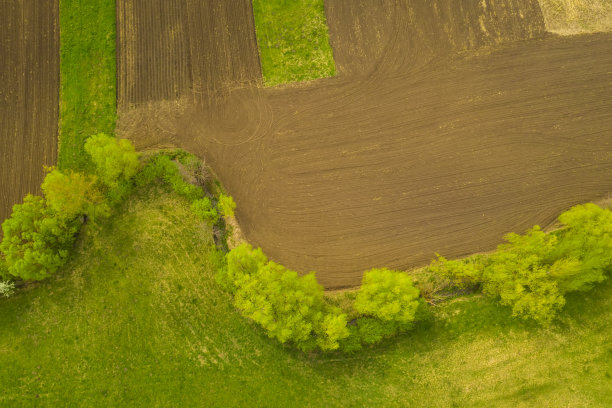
x,y
567,17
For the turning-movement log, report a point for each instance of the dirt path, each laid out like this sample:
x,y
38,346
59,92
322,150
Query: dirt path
x,y
29,97
438,151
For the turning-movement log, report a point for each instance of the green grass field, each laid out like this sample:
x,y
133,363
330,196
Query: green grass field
x,y
136,320
293,40
87,77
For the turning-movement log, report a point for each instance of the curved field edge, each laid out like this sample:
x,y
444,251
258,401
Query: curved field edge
x,y
293,40
136,319
88,85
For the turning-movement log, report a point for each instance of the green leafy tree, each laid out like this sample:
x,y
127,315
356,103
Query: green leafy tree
x,y
332,330
73,194
525,276
290,308
36,240
242,262
388,295
226,205
203,208
587,238
115,160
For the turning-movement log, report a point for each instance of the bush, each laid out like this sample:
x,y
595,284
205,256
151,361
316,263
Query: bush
x,y
6,288
73,194
203,208
389,296
119,193
462,273
367,331
226,205
242,262
162,167
115,160
290,308
36,240
531,273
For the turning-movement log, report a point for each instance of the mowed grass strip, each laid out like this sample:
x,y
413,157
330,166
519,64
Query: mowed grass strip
x,y
87,77
293,40
136,320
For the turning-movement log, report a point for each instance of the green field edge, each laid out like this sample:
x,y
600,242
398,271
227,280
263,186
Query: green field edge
x,y
88,84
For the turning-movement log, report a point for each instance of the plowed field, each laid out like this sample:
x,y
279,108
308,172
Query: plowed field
x,y
168,48
448,126
29,94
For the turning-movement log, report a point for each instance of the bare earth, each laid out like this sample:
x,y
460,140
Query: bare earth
x,y
29,97
449,125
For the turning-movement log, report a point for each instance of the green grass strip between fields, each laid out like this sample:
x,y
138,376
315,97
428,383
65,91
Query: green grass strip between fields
x,y
293,40
87,77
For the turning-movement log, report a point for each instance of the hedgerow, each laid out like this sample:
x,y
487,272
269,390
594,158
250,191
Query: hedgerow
x,y
293,308
531,273
40,234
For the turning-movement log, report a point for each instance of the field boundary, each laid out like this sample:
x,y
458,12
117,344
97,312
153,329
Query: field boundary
x,y
88,80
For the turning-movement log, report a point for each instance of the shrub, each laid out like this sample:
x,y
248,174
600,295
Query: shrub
x,y
115,160
242,262
119,192
290,308
462,273
162,167
6,288
73,194
367,331
203,208
226,205
36,240
389,296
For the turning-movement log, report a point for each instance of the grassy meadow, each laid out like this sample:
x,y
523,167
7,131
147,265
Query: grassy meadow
x,y
136,319
87,77
293,40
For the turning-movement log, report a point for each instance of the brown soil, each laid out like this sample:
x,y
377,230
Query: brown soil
x,y
170,47
29,92
438,138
